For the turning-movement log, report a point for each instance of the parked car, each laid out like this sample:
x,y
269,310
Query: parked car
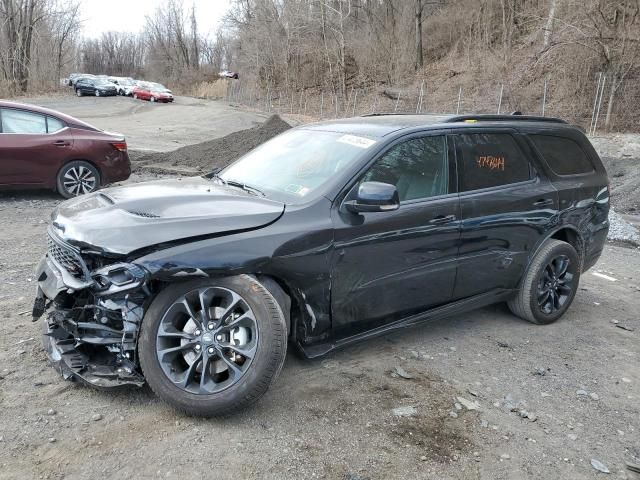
x,y
42,148
153,92
124,85
94,86
325,235
228,74
74,77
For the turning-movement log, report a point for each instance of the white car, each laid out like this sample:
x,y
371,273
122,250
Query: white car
x,y
123,84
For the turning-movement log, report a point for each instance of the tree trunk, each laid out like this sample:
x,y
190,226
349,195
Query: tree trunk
x,y
419,57
548,29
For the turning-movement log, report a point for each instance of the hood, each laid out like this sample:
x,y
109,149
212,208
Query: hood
x,y
123,219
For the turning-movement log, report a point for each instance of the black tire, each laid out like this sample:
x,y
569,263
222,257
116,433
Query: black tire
x,y
268,357
65,184
544,276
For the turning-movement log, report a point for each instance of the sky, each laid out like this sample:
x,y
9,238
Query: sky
x,y
129,15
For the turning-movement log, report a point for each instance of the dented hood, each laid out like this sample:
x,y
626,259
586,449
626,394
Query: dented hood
x,y
123,219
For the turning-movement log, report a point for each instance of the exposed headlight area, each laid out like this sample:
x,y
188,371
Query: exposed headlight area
x,y
92,324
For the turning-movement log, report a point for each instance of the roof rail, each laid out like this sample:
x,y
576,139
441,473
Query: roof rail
x,y
514,117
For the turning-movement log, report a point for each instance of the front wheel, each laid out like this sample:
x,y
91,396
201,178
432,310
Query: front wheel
x,y
549,285
210,347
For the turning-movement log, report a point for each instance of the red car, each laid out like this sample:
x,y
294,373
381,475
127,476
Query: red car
x,y
154,92
42,148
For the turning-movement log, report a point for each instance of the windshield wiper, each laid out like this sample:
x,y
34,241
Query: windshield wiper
x,y
243,186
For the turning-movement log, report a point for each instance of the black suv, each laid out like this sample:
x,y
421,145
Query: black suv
x,y
327,234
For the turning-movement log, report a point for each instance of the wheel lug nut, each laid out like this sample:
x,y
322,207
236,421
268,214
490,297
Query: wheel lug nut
x,y
210,326
211,350
219,338
198,332
198,347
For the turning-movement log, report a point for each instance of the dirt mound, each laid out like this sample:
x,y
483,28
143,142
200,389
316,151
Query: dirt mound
x,y
219,152
624,175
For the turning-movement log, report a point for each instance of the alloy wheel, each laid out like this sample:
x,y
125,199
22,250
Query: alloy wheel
x,y
206,340
79,180
555,285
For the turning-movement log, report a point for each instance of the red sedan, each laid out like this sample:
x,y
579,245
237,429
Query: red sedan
x,y
42,148
154,92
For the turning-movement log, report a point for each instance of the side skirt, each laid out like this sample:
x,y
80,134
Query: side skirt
x,y
455,308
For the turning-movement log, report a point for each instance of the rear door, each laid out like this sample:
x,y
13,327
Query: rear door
x,y
506,205
29,154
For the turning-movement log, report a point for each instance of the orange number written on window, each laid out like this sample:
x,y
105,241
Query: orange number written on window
x,y
490,162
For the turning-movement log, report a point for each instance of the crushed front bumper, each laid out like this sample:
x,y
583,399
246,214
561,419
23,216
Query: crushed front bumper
x,y
96,342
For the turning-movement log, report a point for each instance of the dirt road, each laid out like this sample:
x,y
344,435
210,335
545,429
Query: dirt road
x,y
155,126
549,398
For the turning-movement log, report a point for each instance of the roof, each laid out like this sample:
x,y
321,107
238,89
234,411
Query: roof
x,y
380,125
46,111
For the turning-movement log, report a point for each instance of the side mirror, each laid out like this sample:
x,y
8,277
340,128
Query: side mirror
x,y
374,197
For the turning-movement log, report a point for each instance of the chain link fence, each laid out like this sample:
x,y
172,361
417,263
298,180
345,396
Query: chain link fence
x,y
589,108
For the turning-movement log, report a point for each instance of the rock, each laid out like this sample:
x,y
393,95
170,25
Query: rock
x,y
532,417
545,394
423,458
581,393
402,373
626,380
468,404
594,396
572,436
458,406
408,411
96,417
484,424
473,392
598,465
505,456
414,354
540,371
453,414
51,412
52,440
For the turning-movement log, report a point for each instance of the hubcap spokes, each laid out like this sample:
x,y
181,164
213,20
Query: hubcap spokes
x,y
79,180
207,340
555,285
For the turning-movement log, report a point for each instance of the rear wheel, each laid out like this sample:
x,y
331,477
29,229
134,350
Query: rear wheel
x,y
210,347
77,178
549,285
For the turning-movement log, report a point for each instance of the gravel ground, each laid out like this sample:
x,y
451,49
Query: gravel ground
x,y
476,396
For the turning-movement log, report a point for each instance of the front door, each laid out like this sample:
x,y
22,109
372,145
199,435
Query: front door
x,y
389,265
28,154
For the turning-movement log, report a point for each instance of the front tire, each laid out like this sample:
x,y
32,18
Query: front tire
x,y
77,178
210,347
549,284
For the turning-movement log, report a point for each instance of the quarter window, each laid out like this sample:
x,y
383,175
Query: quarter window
x,y
19,121
563,155
418,168
491,160
54,125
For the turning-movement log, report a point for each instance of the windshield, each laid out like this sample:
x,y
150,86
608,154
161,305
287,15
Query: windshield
x,y
297,163
157,86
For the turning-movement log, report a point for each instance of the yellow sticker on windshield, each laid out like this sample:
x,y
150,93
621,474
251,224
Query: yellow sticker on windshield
x,y
360,142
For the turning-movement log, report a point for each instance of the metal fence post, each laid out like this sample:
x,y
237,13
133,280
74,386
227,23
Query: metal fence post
x,y
595,122
500,100
395,108
544,97
321,103
459,99
355,99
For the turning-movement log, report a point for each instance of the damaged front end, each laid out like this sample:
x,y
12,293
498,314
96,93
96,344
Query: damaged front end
x,y
94,307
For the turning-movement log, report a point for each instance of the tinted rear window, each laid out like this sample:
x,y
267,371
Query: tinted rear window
x,y
563,155
491,160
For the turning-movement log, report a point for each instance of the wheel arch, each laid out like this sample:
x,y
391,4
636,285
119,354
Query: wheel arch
x,y
565,233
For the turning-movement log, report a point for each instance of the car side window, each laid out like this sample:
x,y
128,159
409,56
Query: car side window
x,y
563,155
54,125
20,121
418,168
490,160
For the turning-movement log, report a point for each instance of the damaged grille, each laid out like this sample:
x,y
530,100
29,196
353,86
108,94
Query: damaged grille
x,y
67,257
